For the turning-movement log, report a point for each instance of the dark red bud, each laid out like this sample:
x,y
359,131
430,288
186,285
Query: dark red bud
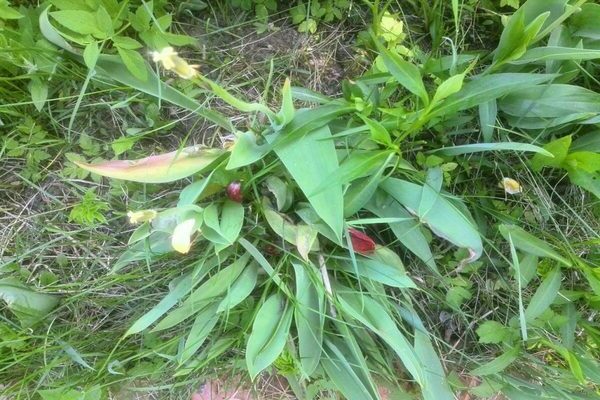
x,y
234,192
361,243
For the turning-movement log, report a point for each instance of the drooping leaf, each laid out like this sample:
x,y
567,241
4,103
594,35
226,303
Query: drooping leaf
x,y
269,334
498,364
309,316
375,317
162,168
443,217
481,147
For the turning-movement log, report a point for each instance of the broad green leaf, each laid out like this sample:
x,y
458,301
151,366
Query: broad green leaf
x,y
356,165
487,88
517,35
202,327
296,234
559,149
82,22
162,168
241,288
585,22
134,62
218,284
448,88
360,192
309,315
498,364
375,317
7,12
222,227
379,272
279,189
246,151
39,92
488,112
183,286
480,147
262,261
91,54
551,53
528,243
444,217
550,105
339,370
269,334
544,295
492,332
407,232
587,180
587,161
405,73
309,160
27,304
194,191
379,133
436,385
303,94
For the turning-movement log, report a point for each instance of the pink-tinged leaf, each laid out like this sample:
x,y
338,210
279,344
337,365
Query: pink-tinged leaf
x,y
161,168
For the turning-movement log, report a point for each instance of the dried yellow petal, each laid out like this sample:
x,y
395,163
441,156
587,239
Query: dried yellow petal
x,y
511,186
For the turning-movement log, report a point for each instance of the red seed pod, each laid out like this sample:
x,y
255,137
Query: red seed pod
x,y
234,192
361,243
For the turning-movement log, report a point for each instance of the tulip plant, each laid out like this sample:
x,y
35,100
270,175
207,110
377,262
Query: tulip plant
x,y
297,231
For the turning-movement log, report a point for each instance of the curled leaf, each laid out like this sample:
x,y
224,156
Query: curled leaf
x,y
161,168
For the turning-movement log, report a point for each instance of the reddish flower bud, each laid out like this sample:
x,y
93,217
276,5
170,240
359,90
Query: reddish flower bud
x,y
361,243
234,192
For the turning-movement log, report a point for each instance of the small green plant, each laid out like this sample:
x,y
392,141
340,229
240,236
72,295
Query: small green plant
x,y
89,211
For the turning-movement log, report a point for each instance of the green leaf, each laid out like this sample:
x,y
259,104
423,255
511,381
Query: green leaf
x,y
379,272
585,22
558,148
202,327
39,92
241,288
161,168
269,334
287,111
309,160
488,112
90,54
487,88
180,289
405,73
194,191
586,180
492,332
498,364
375,317
82,22
126,42
480,147
28,305
448,88
528,243
246,151
407,232
122,144
339,370
443,217
544,295
552,53
360,192
7,12
225,230
134,62
309,315
379,133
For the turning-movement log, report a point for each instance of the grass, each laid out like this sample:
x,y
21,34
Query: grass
x,y
81,344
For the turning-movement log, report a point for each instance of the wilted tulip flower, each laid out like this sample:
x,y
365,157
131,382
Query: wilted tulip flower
x,y
182,236
361,242
511,186
137,217
234,192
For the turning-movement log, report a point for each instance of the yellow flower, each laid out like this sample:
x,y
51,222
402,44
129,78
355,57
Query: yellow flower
x,y
137,217
182,236
391,28
171,61
511,186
